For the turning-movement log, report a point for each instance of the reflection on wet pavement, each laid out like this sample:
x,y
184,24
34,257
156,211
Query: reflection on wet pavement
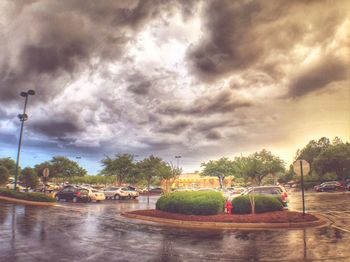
x,y
97,232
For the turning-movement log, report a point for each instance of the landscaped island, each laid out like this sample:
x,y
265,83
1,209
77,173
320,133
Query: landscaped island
x,y
206,206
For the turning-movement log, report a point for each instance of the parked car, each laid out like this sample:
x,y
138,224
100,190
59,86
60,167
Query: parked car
x,y
116,193
133,193
236,189
95,195
269,190
19,187
156,190
73,193
328,186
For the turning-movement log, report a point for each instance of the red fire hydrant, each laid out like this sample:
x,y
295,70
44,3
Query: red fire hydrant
x,y
228,207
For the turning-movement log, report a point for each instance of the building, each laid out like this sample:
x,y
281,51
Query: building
x,y
195,180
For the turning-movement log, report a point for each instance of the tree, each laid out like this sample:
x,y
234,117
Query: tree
x,y
29,177
39,168
288,175
220,169
61,166
169,173
256,166
312,150
335,158
9,164
150,168
122,166
4,175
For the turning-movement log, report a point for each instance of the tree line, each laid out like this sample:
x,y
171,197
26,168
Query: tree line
x,y
329,160
120,169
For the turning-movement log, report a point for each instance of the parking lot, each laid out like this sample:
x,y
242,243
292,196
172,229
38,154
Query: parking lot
x,y
97,232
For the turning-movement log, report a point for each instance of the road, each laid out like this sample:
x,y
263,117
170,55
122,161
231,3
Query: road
x,y
97,232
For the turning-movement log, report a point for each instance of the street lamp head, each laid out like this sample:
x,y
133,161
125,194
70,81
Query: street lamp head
x,y
31,92
22,117
24,94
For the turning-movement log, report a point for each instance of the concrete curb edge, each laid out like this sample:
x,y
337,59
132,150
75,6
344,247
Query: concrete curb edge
x,y
242,226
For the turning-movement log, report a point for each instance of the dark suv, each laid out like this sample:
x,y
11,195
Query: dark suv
x,y
328,186
74,194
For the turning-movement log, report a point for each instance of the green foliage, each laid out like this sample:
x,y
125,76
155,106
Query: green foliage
x,y
220,168
61,167
9,164
93,180
258,165
29,177
312,150
263,203
151,168
4,175
287,176
335,158
169,173
192,203
38,197
122,166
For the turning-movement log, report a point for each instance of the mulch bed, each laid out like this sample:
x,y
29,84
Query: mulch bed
x,y
270,217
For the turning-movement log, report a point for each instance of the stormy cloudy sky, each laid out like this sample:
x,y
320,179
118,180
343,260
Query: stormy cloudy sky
x,y
200,79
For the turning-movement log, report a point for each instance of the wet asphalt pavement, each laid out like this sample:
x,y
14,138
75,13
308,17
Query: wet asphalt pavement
x,y
97,232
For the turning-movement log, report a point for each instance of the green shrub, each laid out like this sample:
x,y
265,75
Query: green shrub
x,y
192,203
263,203
38,197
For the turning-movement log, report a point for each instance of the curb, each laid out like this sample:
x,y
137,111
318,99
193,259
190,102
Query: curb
x,y
26,202
241,226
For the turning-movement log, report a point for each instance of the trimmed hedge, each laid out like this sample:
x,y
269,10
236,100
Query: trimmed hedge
x,y
263,203
38,197
192,203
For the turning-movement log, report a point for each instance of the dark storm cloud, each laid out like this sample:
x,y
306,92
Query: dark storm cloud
x,y
176,127
56,40
158,144
206,126
56,128
222,102
240,35
213,135
318,76
141,89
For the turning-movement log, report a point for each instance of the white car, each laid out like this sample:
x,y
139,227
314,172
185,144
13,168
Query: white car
x,y
95,195
117,193
18,187
133,193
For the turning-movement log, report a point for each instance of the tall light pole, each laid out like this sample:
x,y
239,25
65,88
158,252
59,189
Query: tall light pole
x,y
22,117
177,160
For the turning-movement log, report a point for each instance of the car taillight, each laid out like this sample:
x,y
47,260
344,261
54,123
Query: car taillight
x,y
78,194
